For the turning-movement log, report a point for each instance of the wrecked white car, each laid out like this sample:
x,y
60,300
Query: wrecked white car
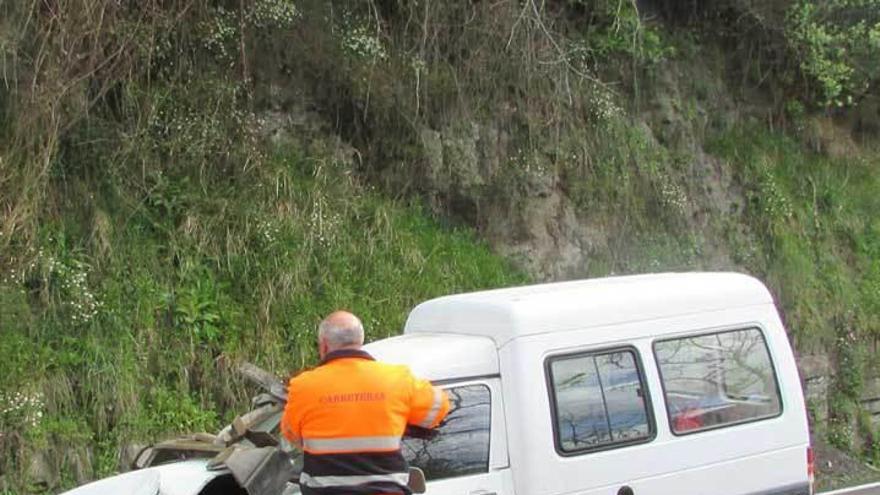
x,y
244,458
248,457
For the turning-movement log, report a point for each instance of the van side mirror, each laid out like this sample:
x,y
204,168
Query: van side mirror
x,y
416,481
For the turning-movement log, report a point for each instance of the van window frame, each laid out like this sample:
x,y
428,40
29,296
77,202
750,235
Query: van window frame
x,y
646,397
702,333
476,381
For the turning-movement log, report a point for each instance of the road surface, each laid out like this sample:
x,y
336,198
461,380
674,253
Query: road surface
x,y
870,489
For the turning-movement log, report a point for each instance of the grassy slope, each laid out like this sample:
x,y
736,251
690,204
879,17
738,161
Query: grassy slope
x,y
196,273
819,237
141,284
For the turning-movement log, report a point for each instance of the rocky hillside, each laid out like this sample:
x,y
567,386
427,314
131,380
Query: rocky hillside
x,y
188,183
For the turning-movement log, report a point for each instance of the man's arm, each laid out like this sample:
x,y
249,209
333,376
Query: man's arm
x,y
291,421
429,405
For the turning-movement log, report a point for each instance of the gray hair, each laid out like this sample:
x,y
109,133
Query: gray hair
x,y
339,335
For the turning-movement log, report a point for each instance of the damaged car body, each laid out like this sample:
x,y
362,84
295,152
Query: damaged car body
x,y
247,457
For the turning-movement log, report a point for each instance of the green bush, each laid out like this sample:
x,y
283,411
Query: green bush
x,y
837,43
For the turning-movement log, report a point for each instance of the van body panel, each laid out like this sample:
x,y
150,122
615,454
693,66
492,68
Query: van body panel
x,y
757,455
439,356
762,474
799,489
497,478
511,337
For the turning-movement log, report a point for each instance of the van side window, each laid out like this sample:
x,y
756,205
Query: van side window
x,y
717,379
598,401
461,445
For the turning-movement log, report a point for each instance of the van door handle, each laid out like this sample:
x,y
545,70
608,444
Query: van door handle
x,y
482,492
625,490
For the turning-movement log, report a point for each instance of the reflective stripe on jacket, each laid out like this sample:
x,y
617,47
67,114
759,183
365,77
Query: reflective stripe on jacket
x,y
349,415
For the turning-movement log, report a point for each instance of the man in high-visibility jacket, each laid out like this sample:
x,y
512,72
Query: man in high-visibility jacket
x,y
349,413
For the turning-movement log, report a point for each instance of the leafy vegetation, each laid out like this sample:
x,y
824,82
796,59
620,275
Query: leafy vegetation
x,y
837,43
819,52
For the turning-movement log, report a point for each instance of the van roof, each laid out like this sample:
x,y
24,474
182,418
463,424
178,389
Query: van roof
x,y
439,357
505,314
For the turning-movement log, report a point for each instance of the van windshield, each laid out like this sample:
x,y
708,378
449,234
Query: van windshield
x,y
461,445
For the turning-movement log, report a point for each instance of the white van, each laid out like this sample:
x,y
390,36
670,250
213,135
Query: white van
x,y
658,384
671,384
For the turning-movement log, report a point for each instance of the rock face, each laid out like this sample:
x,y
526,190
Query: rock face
x,y
871,399
519,192
816,375
522,208
518,205
41,471
128,454
82,463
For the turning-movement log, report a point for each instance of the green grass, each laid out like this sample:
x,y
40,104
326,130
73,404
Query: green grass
x,y
129,311
814,219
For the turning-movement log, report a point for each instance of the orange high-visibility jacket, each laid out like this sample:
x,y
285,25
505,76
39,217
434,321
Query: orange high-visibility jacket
x,y
349,415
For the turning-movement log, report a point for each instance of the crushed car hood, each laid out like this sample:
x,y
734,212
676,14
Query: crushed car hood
x,y
179,478
249,451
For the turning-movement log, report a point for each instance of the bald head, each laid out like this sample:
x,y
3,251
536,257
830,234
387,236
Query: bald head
x,y
340,330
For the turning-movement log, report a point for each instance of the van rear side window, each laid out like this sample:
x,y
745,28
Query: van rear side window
x,y
717,379
598,401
